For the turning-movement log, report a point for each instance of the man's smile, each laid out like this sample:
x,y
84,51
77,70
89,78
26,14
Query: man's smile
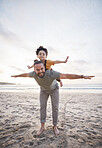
x,y
41,74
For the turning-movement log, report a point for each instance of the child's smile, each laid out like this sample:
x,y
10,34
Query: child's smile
x,y
42,55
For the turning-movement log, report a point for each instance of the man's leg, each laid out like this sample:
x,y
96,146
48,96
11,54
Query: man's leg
x,y
43,104
55,109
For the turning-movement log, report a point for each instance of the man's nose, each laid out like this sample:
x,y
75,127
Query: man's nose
x,y
40,70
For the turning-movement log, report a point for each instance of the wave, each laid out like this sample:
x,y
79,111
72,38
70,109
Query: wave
x,y
72,87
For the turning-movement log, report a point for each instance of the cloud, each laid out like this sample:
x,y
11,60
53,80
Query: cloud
x,y
11,39
79,66
8,36
51,49
76,45
19,69
1,71
80,62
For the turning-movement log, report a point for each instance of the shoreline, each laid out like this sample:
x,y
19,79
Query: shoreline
x,y
75,88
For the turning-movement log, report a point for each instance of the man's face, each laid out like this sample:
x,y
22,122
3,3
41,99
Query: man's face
x,y
40,70
42,55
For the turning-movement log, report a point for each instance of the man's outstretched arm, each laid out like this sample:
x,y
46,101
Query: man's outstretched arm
x,y
74,76
21,75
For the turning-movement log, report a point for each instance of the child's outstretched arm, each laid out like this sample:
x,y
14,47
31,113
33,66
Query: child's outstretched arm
x,y
30,66
58,62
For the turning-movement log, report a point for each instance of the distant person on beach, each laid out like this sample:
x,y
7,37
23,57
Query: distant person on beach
x,y
49,87
42,54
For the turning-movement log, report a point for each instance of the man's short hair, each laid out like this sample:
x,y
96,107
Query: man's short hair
x,y
37,62
41,48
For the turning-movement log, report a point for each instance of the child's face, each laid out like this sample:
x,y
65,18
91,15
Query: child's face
x,y
42,55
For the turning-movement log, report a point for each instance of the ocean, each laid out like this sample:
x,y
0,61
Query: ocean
x,y
74,88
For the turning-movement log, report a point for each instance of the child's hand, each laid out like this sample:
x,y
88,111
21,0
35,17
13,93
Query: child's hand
x,y
66,59
28,67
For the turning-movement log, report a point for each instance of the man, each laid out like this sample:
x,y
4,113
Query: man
x,y
49,87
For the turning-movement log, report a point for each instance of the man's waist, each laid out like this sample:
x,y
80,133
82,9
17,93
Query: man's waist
x,y
50,88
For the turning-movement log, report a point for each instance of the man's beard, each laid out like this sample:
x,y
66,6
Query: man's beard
x,y
41,76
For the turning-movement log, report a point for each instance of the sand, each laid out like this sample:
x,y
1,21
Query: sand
x,y
80,121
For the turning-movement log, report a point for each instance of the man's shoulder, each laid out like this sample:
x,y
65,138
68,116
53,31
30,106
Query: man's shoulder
x,y
48,72
51,72
32,74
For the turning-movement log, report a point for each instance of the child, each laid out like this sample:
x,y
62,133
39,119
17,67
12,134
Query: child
x,y
42,55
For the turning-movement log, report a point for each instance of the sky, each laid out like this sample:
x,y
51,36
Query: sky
x,y
65,27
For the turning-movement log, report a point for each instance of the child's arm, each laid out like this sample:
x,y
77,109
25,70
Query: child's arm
x,y
30,66
57,62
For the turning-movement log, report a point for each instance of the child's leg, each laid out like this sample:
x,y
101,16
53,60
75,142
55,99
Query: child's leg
x,y
61,84
59,80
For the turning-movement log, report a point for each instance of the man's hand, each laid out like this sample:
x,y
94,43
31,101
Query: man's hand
x,y
88,77
14,76
21,75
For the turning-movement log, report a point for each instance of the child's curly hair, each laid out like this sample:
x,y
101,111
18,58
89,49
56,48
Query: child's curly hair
x,y
42,48
35,60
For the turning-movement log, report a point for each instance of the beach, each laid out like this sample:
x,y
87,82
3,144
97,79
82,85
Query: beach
x,y
80,121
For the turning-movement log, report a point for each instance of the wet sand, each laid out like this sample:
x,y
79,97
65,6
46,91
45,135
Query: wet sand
x,y
80,121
